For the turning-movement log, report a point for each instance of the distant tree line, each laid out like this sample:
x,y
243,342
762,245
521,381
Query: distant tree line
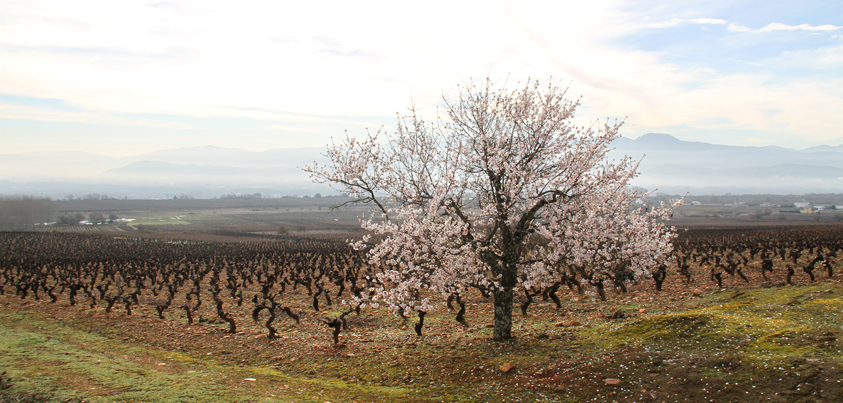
x,y
89,196
21,211
241,196
756,199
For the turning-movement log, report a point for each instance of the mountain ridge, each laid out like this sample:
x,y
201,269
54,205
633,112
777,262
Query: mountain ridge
x,y
666,163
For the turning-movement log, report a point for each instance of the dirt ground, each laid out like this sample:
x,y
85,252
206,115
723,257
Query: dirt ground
x,y
756,341
778,343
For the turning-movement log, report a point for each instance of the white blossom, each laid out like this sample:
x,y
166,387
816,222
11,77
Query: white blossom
x,y
503,192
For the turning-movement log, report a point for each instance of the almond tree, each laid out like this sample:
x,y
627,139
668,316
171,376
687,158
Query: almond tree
x,y
504,184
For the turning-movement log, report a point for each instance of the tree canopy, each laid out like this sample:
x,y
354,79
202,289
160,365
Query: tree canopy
x,y
501,192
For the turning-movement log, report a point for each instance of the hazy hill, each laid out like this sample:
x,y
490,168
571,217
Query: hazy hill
x,y
676,166
667,163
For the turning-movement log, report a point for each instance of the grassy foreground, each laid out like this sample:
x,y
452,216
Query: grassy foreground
x,y
780,344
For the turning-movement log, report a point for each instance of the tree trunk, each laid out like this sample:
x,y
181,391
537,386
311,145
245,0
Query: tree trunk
x,y
503,314
503,299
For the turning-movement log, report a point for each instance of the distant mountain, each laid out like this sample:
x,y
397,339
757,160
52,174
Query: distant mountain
x,y
219,156
205,171
196,162
668,164
156,171
52,165
676,166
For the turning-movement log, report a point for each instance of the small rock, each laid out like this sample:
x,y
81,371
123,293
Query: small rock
x,y
559,324
384,377
612,381
642,310
490,325
250,379
697,292
507,368
474,356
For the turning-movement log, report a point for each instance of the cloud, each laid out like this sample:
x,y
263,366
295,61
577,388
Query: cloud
x,y
777,26
338,65
699,21
733,27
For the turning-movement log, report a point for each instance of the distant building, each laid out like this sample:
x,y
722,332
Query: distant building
x,y
696,203
801,204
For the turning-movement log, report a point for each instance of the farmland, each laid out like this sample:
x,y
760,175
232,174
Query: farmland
x,y
200,300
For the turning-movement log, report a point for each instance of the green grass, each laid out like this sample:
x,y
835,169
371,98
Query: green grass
x,y
167,220
772,323
43,356
724,347
48,361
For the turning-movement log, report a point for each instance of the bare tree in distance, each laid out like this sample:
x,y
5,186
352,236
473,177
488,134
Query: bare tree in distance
x,y
21,211
502,192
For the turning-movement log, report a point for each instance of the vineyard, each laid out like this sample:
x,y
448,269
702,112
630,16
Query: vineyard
x,y
273,315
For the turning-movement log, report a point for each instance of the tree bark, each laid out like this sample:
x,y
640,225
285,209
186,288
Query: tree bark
x,y
503,300
503,314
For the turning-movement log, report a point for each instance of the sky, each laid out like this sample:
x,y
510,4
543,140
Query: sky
x,y
122,78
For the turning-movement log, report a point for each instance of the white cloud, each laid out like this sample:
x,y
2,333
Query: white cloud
x,y
738,28
700,21
715,21
777,26
733,27
292,64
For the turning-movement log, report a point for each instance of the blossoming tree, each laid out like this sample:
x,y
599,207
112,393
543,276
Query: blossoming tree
x,y
502,192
